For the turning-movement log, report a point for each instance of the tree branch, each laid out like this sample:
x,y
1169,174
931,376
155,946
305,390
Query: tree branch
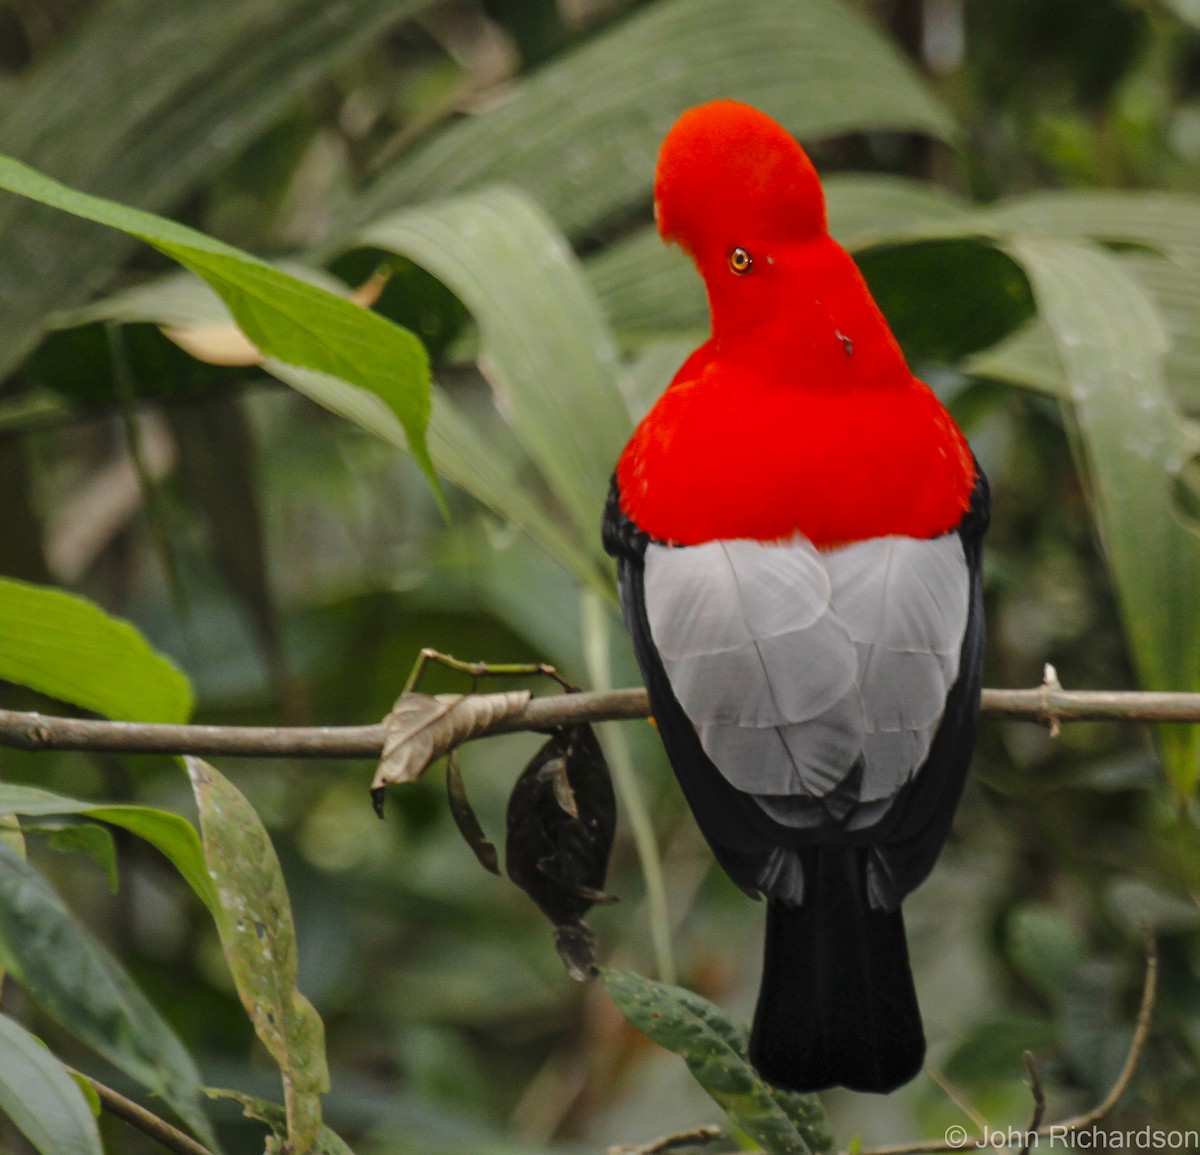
x,y
33,731
145,1121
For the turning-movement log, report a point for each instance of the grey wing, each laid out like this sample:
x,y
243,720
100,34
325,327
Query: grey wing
x,y
815,680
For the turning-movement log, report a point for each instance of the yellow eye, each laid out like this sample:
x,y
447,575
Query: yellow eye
x,y
740,261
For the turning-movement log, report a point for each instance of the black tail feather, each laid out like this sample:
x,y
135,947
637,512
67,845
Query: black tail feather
x,y
837,1005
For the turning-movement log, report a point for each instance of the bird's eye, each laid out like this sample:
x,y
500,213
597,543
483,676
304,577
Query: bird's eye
x,y
740,261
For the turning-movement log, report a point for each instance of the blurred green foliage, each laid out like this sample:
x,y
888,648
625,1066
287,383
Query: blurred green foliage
x,y
293,563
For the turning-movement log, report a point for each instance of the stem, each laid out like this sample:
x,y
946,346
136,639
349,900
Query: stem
x,y
595,630
145,1121
32,731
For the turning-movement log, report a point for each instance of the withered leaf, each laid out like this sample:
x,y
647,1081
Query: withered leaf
x,y
421,728
560,823
465,818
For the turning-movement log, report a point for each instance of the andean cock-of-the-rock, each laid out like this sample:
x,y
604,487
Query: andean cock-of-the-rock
x,y
797,526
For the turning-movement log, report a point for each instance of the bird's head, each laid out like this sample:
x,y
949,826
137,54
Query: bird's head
x,y
731,186
741,197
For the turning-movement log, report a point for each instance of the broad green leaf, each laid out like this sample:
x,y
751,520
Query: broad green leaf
x,y
544,346
254,921
714,1049
173,835
1026,358
79,984
464,457
87,838
1166,222
945,298
66,647
275,1117
991,1051
866,209
1029,358
649,289
1045,948
296,322
648,373
195,84
43,1102
1175,287
463,454
1111,343
582,133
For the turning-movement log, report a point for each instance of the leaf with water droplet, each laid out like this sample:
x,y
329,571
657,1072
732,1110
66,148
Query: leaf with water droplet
x,y
1113,345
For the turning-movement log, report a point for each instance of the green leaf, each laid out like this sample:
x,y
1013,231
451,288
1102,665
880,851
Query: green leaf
x,y
465,458
87,838
1111,343
1045,948
582,134
1175,289
291,320
66,647
254,921
79,984
991,1051
41,1099
464,455
275,1117
1166,222
970,295
866,209
174,836
649,289
544,346
1026,358
714,1049
194,86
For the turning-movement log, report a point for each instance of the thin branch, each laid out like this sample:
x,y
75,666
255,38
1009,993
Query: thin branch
x,y
145,1121
1039,1101
1077,1122
33,731
697,1137
1140,1035
956,1097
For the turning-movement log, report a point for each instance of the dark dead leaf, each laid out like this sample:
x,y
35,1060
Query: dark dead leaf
x,y
561,819
465,818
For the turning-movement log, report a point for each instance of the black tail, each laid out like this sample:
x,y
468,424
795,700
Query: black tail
x,y
837,1005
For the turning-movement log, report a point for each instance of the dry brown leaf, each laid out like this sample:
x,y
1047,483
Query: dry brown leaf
x,y
221,344
421,728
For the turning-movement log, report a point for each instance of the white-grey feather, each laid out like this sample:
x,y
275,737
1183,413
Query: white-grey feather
x,y
818,677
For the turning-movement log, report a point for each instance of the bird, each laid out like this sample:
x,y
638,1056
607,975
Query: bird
x,y
797,525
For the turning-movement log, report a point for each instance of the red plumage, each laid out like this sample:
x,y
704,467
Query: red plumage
x,y
800,414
